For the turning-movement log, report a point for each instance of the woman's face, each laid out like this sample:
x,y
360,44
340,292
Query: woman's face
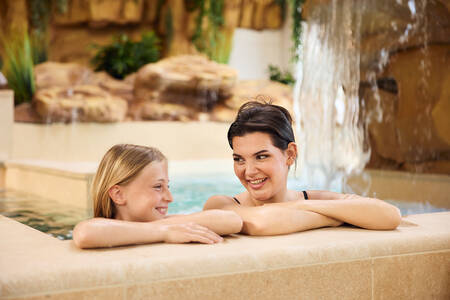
x,y
261,167
147,196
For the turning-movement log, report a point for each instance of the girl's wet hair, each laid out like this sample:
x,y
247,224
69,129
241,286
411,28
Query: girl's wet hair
x,y
120,165
256,116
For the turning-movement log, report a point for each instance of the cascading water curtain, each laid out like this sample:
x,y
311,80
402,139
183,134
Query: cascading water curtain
x,y
330,134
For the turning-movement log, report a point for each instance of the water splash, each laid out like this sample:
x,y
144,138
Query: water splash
x,y
327,102
330,126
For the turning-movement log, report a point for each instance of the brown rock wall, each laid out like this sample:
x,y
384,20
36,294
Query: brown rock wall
x,y
414,133
88,22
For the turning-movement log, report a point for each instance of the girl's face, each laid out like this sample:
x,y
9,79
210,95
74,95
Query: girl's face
x,y
147,196
261,167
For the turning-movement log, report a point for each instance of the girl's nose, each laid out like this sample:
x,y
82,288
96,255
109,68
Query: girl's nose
x,y
168,196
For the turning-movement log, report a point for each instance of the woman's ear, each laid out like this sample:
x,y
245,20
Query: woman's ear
x,y
116,194
291,152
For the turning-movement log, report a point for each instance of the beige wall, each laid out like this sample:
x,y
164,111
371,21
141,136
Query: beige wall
x,y
88,142
6,123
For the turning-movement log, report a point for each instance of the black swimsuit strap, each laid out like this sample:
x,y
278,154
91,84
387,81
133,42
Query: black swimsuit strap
x,y
235,199
305,195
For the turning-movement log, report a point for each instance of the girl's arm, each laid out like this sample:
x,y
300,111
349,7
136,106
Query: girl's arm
x,y
265,220
101,232
204,227
369,213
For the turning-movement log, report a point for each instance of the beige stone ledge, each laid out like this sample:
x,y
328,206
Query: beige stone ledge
x,y
64,185
2,176
88,142
6,123
405,186
344,263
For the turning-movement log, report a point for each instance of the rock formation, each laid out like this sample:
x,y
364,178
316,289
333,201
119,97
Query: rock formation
x,y
83,103
192,81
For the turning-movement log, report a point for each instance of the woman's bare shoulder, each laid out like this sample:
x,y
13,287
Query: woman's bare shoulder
x,y
324,195
217,202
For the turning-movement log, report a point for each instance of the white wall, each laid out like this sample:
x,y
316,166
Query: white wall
x,y
254,50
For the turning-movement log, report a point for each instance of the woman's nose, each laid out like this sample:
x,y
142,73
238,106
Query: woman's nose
x,y
250,169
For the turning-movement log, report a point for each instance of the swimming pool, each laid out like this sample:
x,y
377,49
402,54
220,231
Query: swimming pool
x,y
189,193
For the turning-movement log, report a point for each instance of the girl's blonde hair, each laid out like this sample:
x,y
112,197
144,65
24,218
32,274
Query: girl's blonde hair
x,y
119,165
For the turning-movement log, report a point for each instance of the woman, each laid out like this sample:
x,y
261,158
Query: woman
x,y
131,197
264,149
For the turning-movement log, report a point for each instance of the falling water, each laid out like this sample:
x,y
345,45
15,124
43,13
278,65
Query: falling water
x,y
330,135
330,126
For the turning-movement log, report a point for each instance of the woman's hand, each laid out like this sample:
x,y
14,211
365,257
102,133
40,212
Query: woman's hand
x,y
189,232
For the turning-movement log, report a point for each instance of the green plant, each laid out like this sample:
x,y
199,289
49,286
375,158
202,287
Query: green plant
x,y
124,56
39,15
209,39
296,14
296,6
18,67
275,74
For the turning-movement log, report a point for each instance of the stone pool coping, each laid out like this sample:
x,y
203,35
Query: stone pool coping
x,y
344,263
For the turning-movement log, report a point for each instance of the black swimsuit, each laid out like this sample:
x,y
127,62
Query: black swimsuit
x,y
305,195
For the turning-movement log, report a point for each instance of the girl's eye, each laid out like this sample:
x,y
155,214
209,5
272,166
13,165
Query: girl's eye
x,y
262,156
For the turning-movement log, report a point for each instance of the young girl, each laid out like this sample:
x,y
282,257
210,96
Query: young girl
x,y
264,148
131,197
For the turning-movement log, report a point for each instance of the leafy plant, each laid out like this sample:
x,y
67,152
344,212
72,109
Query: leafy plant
x,y
124,56
39,17
296,6
209,39
296,14
276,75
18,67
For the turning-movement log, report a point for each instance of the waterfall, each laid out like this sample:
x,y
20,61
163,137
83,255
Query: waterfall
x,y
346,46
329,133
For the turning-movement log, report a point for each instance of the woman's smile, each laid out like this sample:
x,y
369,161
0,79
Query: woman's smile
x,y
256,184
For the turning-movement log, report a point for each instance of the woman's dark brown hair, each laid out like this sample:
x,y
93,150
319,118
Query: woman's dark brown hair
x,y
255,116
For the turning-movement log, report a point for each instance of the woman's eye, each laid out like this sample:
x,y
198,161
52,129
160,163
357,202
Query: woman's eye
x,y
157,187
238,159
262,156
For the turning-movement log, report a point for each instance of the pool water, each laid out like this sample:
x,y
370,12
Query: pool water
x,y
189,193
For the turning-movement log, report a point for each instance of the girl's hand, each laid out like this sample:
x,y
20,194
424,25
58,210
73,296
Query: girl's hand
x,y
335,223
189,232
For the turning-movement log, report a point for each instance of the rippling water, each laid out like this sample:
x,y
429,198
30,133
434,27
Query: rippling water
x,y
189,193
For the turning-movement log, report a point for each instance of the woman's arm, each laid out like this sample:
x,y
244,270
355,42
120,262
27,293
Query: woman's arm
x,y
265,220
222,222
369,213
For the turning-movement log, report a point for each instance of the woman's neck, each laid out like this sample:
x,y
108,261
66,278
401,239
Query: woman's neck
x,y
279,197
